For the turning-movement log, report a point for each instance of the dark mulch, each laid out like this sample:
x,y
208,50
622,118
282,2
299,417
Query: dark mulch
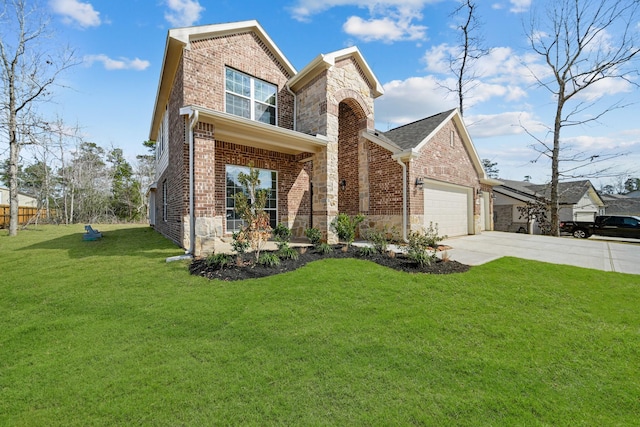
x,y
249,270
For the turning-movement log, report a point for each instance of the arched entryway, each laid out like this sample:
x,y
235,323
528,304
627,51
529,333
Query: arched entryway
x,y
352,166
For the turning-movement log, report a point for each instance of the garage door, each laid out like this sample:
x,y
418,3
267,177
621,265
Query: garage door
x,y
447,206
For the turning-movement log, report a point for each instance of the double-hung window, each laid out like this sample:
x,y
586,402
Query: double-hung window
x,y
248,97
268,181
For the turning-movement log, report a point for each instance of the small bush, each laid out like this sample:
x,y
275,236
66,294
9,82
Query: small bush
x,y
345,227
286,252
378,239
367,251
314,235
282,234
218,260
269,259
324,248
423,246
240,243
432,237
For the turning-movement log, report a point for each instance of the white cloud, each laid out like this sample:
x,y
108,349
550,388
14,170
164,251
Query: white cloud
x,y
507,123
412,99
183,13
74,11
519,6
385,29
117,64
388,20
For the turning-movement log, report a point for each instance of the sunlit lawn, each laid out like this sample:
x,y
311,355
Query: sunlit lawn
x,y
107,333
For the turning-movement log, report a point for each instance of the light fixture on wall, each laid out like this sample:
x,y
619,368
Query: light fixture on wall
x,y
419,183
343,184
479,192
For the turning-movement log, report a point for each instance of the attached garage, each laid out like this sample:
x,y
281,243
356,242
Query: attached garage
x,y
450,207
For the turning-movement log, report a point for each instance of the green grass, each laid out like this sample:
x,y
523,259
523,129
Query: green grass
x,y
107,333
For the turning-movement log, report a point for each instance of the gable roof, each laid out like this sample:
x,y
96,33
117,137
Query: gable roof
x,y
323,62
181,38
409,139
569,192
413,134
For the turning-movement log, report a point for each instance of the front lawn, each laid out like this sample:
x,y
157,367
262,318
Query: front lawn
x,y
107,333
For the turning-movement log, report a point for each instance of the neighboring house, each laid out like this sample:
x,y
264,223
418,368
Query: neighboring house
x,y
228,98
578,200
23,199
621,204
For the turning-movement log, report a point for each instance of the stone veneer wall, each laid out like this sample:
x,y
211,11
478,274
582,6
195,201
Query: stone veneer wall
x,y
319,110
441,161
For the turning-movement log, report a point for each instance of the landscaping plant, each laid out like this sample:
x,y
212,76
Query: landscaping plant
x,y
314,235
250,206
345,227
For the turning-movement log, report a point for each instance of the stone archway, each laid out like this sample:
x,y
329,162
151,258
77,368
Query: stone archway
x,y
352,164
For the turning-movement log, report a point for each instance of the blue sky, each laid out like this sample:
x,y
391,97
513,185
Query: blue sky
x,y
111,94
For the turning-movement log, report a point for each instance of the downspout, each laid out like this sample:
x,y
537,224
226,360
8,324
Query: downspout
x,y
295,106
193,119
404,200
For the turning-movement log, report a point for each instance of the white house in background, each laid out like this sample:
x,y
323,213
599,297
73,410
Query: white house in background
x,y
23,199
579,201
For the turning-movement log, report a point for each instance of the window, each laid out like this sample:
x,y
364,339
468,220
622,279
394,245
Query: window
x,y
164,200
163,134
268,181
249,97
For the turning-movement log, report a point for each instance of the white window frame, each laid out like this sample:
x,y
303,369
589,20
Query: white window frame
x,y
252,96
230,210
164,201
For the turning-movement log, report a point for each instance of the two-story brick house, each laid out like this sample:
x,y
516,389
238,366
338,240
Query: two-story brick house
x,y
228,98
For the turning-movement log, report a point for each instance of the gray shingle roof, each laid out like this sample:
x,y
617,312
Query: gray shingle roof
x,y
569,193
410,135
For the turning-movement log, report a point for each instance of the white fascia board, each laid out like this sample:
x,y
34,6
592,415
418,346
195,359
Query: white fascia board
x,y
188,34
243,131
407,155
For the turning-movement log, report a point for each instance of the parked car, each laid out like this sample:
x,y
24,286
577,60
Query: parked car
x,y
605,225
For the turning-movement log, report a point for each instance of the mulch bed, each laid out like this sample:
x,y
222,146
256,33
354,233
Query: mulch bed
x,y
249,270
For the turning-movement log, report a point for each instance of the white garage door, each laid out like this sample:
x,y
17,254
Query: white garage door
x,y
447,206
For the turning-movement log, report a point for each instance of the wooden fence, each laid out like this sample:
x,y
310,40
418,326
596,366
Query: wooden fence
x,y
24,215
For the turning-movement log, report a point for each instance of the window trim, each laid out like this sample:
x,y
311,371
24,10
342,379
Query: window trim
x,y
246,169
164,201
252,99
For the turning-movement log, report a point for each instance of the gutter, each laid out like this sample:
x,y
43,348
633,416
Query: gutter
x,y
193,119
404,200
295,106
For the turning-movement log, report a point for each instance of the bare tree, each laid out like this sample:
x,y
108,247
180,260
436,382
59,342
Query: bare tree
x,y
471,49
29,67
583,43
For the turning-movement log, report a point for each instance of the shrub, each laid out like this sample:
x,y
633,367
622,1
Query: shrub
x,y
240,243
378,239
367,251
218,260
314,235
345,227
269,259
432,237
286,252
324,248
282,234
250,204
423,246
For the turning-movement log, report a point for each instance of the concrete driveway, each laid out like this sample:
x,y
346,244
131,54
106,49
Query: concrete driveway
x,y
594,253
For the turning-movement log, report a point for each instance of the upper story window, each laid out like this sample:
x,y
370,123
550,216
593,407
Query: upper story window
x,y
249,97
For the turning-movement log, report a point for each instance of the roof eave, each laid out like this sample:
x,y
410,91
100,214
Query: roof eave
x,y
235,129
